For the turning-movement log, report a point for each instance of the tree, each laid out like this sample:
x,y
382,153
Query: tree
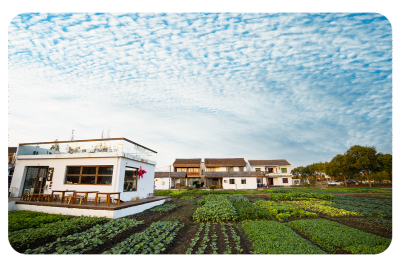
x,y
362,158
305,173
337,167
385,163
296,172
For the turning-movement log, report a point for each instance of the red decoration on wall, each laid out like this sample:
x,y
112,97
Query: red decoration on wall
x,y
140,173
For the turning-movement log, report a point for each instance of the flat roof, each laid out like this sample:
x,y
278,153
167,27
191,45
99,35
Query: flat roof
x,y
88,140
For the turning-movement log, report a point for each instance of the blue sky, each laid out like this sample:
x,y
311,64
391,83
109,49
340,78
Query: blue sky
x,y
297,86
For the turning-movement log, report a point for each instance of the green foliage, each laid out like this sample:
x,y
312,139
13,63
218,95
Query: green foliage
x,y
365,206
332,236
205,192
23,219
82,242
322,207
164,207
31,235
283,216
299,195
238,198
216,208
275,209
151,241
270,237
248,211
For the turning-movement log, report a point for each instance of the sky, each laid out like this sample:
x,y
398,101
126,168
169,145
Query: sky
x,y
297,86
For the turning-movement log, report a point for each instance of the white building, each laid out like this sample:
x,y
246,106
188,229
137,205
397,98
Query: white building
x,y
104,165
275,172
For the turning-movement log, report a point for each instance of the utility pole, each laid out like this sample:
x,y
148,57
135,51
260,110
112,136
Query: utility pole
x,y
169,179
72,135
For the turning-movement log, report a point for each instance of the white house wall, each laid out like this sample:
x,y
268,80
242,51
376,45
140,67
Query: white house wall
x,y
251,183
161,183
279,181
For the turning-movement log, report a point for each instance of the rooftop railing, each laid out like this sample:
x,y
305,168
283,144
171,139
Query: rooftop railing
x,y
123,145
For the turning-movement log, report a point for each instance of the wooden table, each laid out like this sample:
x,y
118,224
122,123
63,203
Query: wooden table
x,y
86,194
108,195
62,193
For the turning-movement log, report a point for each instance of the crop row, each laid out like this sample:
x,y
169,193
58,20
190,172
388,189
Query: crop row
x,y
213,237
333,236
292,195
79,243
151,241
216,208
271,237
26,237
283,211
322,207
23,219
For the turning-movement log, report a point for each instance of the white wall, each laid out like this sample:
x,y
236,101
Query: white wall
x,y
145,185
161,183
278,181
251,183
276,169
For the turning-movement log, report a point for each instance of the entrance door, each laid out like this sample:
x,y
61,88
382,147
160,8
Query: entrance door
x,y
270,181
215,181
35,179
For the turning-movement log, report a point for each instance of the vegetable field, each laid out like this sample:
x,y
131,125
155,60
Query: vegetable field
x,y
280,221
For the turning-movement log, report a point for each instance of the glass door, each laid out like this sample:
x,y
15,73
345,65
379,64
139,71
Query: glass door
x,y
35,180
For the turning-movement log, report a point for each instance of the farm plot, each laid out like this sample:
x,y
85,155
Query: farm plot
x,y
283,211
366,206
322,206
153,240
216,238
334,237
377,226
215,208
270,237
18,220
84,242
26,238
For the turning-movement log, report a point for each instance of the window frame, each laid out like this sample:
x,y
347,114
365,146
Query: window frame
x,y
243,179
285,179
91,175
231,180
136,178
284,169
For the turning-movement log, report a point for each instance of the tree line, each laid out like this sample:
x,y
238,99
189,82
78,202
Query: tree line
x,y
359,162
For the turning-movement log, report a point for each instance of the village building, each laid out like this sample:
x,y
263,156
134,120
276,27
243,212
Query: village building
x,y
275,172
107,165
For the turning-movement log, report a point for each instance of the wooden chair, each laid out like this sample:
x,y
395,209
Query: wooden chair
x,y
81,198
56,197
24,197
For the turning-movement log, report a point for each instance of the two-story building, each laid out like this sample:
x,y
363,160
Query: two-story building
x,y
275,172
217,172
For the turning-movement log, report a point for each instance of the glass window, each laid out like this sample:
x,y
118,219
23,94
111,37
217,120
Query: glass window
x,y
258,169
231,181
229,169
74,170
258,180
105,170
284,170
130,179
88,179
211,169
285,180
241,169
193,170
243,181
72,179
89,170
89,175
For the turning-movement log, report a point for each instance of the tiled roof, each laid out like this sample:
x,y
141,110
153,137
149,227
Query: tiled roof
x,y
274,162
167,174
231,162
215,174
187,162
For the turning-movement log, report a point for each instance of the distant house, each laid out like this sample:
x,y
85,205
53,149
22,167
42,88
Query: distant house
x,y
104,165
275,172
168,180
11,163
192,168
228,173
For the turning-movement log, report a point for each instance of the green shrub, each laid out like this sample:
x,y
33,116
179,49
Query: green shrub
x,y
164,207
187,198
